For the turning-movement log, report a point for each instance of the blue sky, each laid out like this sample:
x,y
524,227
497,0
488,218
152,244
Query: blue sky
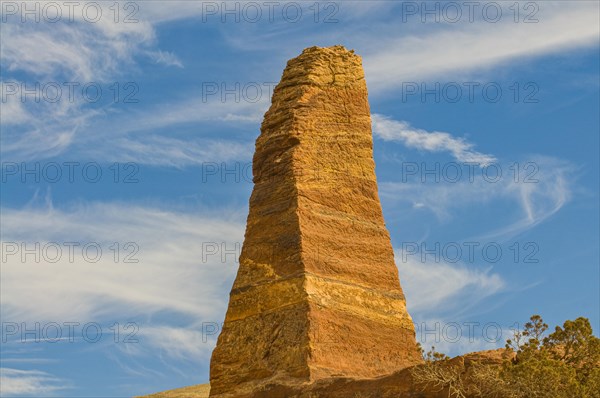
x,y
495,88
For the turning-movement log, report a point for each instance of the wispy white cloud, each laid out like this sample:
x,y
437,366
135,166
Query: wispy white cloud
x,y
85,52
140,136
177,279
101,134
165,57
539,200
181,343
16,382
392,130
462,50
194,109
34,130
167,277
80,52
437,287
158,150
540,187
540,192
13,111
439,295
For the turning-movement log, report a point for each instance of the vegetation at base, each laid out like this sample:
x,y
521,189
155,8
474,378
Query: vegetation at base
x,y
562,364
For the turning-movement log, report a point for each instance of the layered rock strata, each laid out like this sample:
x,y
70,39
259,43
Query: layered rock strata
x,y
317,294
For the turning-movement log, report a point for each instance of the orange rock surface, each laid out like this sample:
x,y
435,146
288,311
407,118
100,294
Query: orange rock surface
x,y
317,294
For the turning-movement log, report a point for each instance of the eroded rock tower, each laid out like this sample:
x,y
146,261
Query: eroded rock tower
x,y
317,293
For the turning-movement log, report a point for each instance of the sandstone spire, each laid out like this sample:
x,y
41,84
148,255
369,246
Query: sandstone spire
x,y
317,292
